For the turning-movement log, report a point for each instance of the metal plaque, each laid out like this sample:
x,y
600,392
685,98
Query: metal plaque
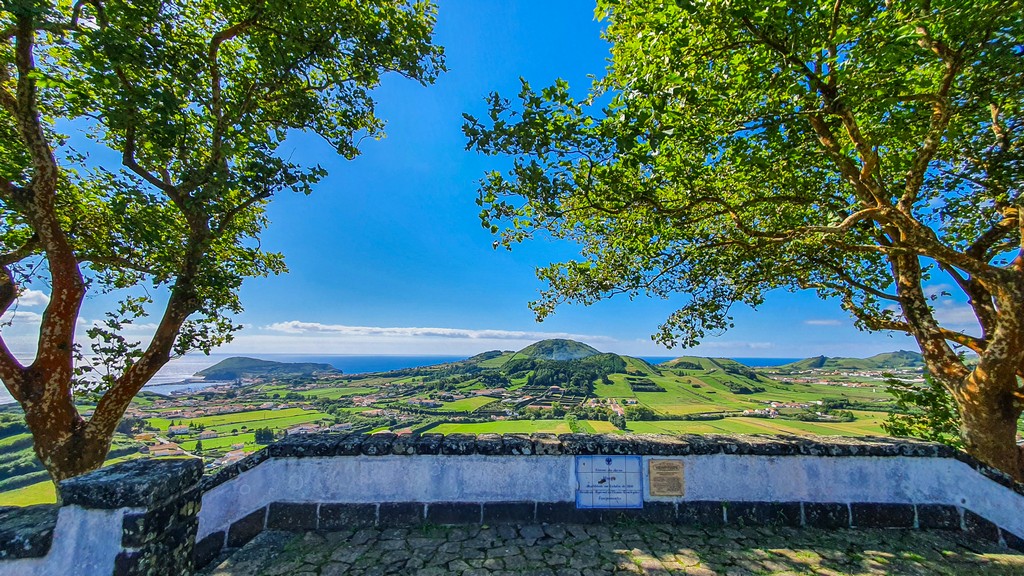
x,y
665,477
609,482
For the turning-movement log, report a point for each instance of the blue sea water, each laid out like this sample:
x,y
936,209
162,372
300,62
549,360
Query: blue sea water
x,y
355,364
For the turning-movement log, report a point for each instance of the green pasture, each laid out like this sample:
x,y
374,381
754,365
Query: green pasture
x,y
247,417
680,397
304,417
220,442
467,404
744,425
714,395
598,427
38,493
497,361
617,389
44,492
5,442
636,366
505,427
335,393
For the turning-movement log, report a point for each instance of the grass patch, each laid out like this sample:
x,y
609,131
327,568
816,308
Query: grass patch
x,y
38,493
248,417
467,404
742,425
335,393
220,442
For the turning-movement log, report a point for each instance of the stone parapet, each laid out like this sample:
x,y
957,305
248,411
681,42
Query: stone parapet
x,y
137,518
388,444
160,517
26,532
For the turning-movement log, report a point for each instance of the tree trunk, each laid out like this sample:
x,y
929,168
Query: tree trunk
x,y
988,416
65,445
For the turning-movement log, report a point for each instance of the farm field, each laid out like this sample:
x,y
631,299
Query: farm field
x,y
512,426
272,423
222,442
700,391
467,404
38,493
6,442
497,361
43,492
744,425
260,417
335,393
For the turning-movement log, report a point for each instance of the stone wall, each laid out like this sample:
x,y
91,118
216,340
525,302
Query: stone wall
x,y
326,482
137,518
144,517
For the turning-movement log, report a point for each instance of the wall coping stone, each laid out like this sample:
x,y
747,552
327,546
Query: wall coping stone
x,y
142,483
27,532
543,444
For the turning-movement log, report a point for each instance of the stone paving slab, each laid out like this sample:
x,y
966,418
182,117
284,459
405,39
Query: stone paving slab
x,y
622,549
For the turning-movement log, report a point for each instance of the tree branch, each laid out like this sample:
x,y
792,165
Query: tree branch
x,y
11,371
117,261
872,321
21,252
215,83
978,345
115,401
129,161
229,216
830,96
979,298
833,50
853,283
941,360
941,114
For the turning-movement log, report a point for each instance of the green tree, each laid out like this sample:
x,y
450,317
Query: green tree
x,y
617,420
195,99
638,413
574,424
927,412
199,447
861,149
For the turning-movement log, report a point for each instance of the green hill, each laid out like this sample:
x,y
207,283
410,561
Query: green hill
x,y
639,366
241,367
701,363
558,349
898,359
901,360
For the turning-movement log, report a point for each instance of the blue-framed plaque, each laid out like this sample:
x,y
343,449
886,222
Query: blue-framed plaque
x,y
609,482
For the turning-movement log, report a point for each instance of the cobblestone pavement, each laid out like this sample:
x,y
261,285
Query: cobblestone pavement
x,y
575,550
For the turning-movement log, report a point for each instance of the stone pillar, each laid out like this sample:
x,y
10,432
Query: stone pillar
x,y
158,502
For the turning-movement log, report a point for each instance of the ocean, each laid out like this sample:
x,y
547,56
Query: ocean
x,y
177,374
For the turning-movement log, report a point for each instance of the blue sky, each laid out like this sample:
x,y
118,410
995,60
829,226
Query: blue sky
x,y
388,255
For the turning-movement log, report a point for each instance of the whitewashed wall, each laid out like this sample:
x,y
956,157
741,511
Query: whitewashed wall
x,y
717,477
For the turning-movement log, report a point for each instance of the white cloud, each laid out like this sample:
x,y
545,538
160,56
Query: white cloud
x,y
20,317
817,322
937,290
299,327
145,327
953,315
33,298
